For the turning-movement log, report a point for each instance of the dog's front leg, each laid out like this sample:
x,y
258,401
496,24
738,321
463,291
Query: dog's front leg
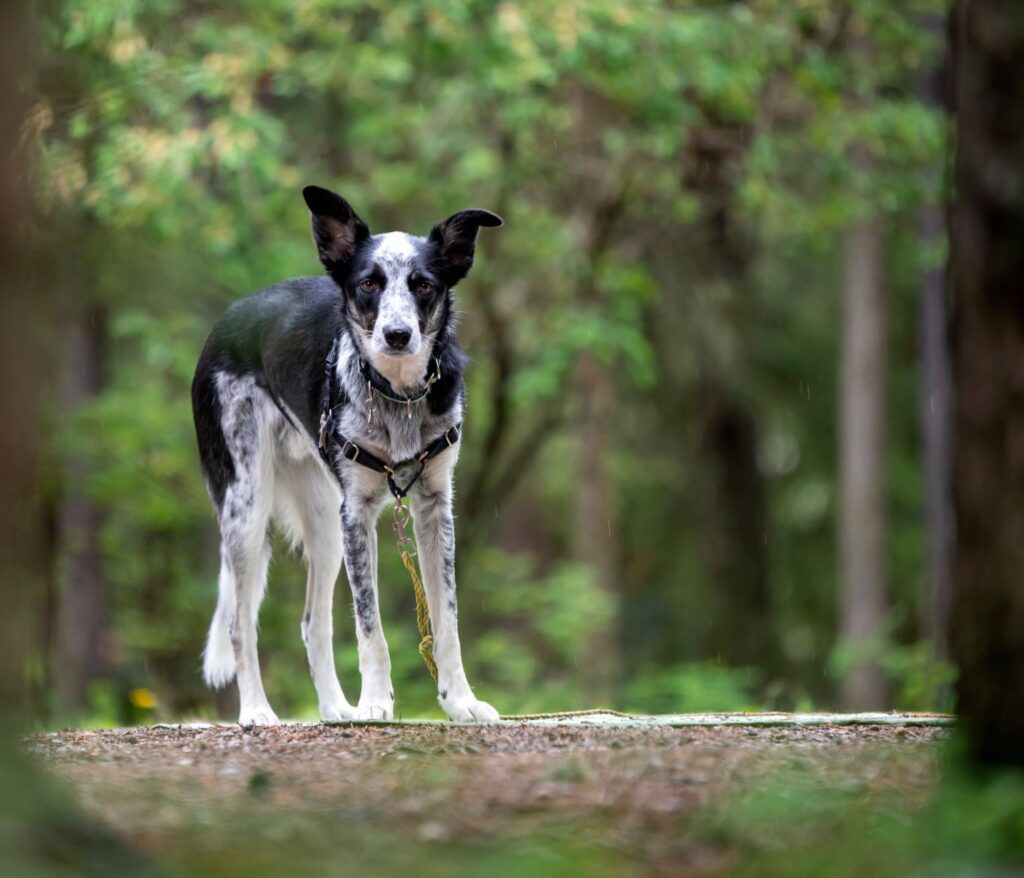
x,y
435,537
359,535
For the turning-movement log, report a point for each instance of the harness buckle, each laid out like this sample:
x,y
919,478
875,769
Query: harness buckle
x,y
323,429
344,450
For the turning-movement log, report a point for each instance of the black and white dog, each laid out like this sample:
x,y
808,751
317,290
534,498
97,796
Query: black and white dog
x,y
338,392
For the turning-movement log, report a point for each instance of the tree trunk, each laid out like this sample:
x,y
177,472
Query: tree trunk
x,y
83,644
594,538
936,389
936,430
988,358
23,312
735,533
862,465
734,513
594,534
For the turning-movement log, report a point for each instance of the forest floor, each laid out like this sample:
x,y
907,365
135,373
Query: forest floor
x,y
599,795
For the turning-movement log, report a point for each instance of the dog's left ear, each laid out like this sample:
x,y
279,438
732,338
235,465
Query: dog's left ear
x,y
456,237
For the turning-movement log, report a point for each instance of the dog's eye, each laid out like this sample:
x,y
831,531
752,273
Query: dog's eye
x,y
424,288
368,286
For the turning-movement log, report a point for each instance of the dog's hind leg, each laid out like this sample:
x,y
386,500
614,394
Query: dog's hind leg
x,y
310,501
244,519
250,569
219,655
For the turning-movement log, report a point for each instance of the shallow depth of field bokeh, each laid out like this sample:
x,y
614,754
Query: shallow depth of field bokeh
x,y
650,496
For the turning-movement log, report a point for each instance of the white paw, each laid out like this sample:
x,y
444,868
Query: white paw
x,y
258,716
337,712
375,710
469,710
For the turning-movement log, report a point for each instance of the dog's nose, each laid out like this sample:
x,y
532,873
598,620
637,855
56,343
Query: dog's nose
x,y
397,337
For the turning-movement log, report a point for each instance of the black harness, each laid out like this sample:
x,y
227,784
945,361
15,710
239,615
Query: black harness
x,y
329,434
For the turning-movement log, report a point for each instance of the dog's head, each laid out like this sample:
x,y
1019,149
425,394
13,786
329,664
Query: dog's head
x,y
396,287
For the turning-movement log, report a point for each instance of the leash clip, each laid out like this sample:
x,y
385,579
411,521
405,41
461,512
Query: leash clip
x,y
406,545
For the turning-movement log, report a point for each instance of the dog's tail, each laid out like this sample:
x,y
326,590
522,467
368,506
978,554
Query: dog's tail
x,y
219,655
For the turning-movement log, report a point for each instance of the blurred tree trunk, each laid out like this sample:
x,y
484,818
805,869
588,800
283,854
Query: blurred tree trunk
x,y
936,394
593,539
42,833
82,631
988,355
595,535
734,512
22,373
936,429
735,539
862,603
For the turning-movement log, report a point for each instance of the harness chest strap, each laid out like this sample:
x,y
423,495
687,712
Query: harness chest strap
x,y
357,454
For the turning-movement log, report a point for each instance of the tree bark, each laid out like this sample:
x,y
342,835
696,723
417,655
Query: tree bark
x,y
936,383
594,533
83,639
22,375
594,540
862,464
734,514
735,532
936,430
988,359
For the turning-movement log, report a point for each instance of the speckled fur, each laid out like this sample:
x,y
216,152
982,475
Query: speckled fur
x,y
256,403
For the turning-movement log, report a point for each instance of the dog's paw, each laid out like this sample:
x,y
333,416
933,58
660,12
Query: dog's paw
x,y
258,716
376,710
469,710
338,712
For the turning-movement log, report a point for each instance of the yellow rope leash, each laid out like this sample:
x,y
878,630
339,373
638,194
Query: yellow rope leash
x,y
422,615
407,549
596,711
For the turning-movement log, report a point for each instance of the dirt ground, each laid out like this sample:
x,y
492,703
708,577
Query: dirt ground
x,y
640,797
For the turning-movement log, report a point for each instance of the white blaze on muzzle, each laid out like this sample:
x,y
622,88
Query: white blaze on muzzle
x,y
398,313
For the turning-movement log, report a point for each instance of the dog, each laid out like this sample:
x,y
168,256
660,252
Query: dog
x,y
317,402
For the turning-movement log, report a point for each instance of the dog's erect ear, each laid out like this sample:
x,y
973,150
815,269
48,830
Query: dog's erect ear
x,y
456,237
337,228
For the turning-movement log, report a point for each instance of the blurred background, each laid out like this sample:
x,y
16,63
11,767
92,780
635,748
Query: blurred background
x,y
706,457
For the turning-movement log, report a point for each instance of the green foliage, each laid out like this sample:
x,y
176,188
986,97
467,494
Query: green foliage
x,y
692,688
920,681
535,653
791,824
170,140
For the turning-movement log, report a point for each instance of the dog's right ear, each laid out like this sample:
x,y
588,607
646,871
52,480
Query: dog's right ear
x,y
337,228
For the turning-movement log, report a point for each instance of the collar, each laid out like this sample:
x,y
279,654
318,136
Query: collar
x,y
378,384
